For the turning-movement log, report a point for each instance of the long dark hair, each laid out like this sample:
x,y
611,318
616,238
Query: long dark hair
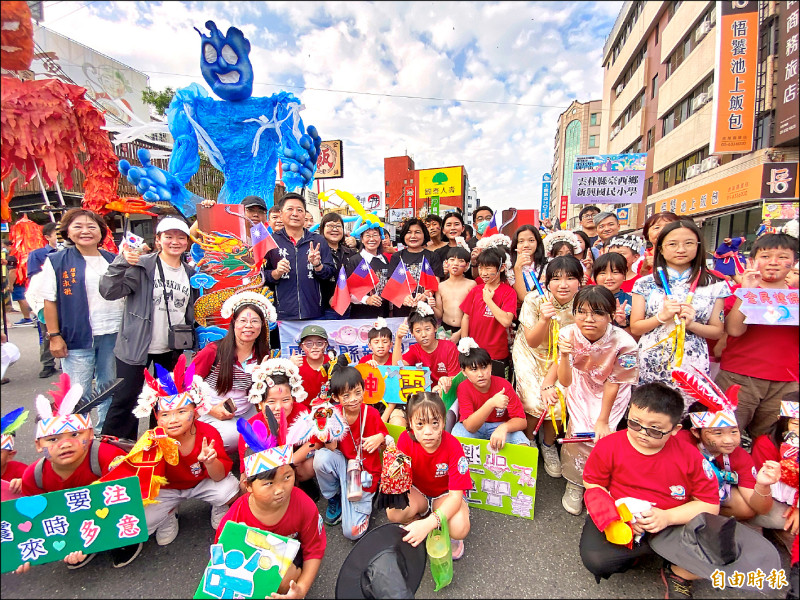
x,y
699,270
538,254
226,349
587,245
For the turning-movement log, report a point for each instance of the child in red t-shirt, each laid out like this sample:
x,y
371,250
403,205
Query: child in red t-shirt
x,y
488,406
312,365
279,378
647,462
203,471
439,475
11,470
440,356
380,342
489,309
765,376
358,451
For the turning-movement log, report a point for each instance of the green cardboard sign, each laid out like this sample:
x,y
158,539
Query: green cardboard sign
x,y
502,482
92,518
246,563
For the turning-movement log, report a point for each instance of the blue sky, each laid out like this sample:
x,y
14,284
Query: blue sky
x,y
502,72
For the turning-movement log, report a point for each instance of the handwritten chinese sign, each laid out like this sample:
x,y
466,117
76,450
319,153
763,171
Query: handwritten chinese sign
x,y
45,528
769,307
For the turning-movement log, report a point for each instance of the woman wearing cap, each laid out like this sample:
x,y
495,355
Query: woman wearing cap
x,y
72,299
152,284
226,365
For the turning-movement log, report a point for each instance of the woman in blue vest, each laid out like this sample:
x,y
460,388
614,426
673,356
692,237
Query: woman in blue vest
x,y
81,325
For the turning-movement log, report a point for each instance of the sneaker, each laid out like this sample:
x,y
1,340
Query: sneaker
x,y
457,547
333,514
572,501
124,556
168,530
47,372
24,323
83,563
552,462
677,587
217,512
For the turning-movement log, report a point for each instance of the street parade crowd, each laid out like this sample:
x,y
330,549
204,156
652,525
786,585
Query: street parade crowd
x,y
627,360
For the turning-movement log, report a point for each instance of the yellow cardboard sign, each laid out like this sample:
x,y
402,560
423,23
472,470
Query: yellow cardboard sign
x,y
440,182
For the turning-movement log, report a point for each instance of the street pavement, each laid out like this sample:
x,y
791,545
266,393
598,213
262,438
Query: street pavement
x,y
506,557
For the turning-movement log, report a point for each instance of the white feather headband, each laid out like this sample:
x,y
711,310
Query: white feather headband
x,y
465,345
262,379
561,236
66,397
424,309
634,242
265,306
380,323
498,239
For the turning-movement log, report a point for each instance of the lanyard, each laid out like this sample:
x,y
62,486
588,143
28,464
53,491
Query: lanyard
x,y
361,435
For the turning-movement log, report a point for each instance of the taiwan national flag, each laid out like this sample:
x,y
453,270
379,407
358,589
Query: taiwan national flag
x,y
492,227
399,285
340,301
363,280
261,241
427,279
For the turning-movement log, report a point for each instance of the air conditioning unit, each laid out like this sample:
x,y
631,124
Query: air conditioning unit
x,y
699,101
619,89
703,30
709,163
710,92
692,171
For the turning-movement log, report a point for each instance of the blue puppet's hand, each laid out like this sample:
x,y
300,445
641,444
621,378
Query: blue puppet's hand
x,y
299,158
155,184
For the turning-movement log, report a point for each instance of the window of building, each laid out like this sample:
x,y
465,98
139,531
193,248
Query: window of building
x,y
690,42
634,148
686,107
593,141
636,61
631,111
654,86
572,144
594,118
656,35
651,134
387,184
676,172
626,29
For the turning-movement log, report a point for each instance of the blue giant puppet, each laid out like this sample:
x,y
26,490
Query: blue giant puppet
x,y
244,137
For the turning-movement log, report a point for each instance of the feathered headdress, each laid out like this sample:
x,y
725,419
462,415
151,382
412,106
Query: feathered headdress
x,y
264,305
9,424
424,309
628,240
721,406
323,424
380,323
170,391
493,241
269,448
563,235
59,417
466,344
262,379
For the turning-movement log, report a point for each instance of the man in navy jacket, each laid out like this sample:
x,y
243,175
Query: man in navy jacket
x,y
298,264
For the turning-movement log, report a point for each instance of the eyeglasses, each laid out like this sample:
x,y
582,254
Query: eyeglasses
x,y
589,216
243,322
585,314
675,245
656,434
333,226
315,344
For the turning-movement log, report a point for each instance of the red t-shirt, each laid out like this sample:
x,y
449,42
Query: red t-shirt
x,y
741,461
14,470
297,410
369,357
81,476
470,400
443,361
437,473
745,354
312,379
627,285
671,477
763,450
352,439
301,522
189,471
483,327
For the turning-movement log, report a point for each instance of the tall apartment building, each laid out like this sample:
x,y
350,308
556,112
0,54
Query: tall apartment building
x,y
578,133
658,94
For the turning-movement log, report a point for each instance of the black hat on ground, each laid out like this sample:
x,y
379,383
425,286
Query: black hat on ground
x,y
254,202
382,565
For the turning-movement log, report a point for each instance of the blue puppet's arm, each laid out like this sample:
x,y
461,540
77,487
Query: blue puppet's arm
x,y
185,159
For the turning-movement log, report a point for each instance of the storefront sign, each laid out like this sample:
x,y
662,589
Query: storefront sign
x,y
372,201
562,209
735,77
440,182
608,179
786,119
329,163
545,195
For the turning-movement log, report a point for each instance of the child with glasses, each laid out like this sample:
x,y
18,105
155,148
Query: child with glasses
x,y
312,363
691,295
597,364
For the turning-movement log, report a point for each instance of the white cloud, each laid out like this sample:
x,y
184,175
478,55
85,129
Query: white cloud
x,y
539,54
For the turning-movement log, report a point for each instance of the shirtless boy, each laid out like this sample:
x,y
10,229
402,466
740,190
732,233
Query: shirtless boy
x,y
452,292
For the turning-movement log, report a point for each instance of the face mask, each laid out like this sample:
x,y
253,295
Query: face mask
x,y
482,227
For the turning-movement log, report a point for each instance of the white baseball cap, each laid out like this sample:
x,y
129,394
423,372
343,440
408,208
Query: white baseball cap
x,y
168,223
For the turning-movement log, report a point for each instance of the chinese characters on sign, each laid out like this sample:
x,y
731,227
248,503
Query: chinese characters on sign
x,y
754,579
769,307
546,195
735,77
329,162
440,182
786,119
608,179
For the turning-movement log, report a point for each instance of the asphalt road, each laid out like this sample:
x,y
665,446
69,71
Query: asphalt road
x,y
506,557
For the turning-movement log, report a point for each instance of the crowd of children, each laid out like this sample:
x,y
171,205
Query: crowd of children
x,y
610,347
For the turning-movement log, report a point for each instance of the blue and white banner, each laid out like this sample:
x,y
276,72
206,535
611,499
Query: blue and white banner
x,y
344,336
545,213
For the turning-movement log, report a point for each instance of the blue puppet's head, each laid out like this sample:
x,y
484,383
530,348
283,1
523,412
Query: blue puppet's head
x,y
225,63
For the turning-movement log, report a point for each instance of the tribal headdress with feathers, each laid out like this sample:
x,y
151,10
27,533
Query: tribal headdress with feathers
x,y
58,418
170,391
9,424
266,308
561,236
262,379
721,406
269,448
